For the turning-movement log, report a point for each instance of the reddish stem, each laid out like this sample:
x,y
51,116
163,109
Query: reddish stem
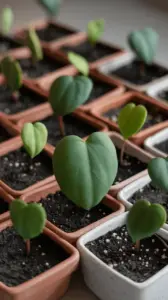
x,y
137,245
142,69
16,96
27,247
122,154
61,125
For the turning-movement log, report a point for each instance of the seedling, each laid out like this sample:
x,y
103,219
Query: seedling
x,y
79,62
7,18
144,220
28,220
95,30
130,120
33,42
144,44
66,94
158,172
85,170
34,138
51,7
13,74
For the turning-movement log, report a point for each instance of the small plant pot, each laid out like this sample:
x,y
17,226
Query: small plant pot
x,y
157,143
90,124
138,186
51,284
5,200
16,144
113,69
133,151
63,32
74,44
107,283
156,119
159,90
7,129
116,207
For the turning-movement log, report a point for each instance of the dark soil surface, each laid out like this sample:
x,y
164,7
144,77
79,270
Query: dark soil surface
x,y
51,32
117,250
3,206
16,267
27,99
99,89
7,43
89,52
19,171
67,216
132,73
163,95
163,146
73,126
153,118
40,68
152,194
132,167
4,135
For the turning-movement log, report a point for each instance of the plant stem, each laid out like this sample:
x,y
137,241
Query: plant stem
x,y
61,125
122,153
27,247
15,95
137,245
142,69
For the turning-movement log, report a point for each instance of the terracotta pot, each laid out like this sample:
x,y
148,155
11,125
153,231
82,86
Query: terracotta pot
x,y
41,24
7,198
52,188
50,285
80,38
47,112
13,145
11,128
117,89
136,98
134,151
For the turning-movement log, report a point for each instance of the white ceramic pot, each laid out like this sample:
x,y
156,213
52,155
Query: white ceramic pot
x,y
107,283
157,138
156,88
122,60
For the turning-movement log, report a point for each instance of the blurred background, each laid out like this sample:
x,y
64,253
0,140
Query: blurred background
x,y
121,17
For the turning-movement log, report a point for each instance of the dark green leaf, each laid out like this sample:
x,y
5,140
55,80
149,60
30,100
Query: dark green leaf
x,y
158,172
52,7
13,73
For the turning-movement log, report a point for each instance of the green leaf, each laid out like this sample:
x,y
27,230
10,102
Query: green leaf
x,y
34,137
79,62
85,170
145,219
33,42
7,18
144,44
95,30
131,119
13,73
28,219
158,172
67,93
52,7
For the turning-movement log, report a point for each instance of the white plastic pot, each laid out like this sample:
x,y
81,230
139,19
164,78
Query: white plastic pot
x,y
121,61
157,138
107,283
156,88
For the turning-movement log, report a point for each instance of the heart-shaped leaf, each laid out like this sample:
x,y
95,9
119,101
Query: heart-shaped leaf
x,y
12,71
33,42
145,219
131,119
28,219
95,30
158,172
67,93
79,62
85,170
52,7
34,137
7,18
144,43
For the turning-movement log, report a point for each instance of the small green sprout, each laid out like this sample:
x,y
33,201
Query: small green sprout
x,y
130,120
158,172
33,42
144,220
85,170
28,220
95,30
52,7
79,62
34,138
7,18
67,93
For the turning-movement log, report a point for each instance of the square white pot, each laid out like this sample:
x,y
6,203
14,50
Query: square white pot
x,y
157,138
107,283
122,60
155,88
